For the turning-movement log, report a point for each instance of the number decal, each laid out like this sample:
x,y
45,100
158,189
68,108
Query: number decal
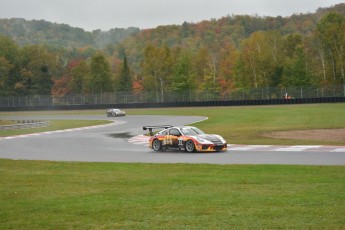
x,y
168,140
180,141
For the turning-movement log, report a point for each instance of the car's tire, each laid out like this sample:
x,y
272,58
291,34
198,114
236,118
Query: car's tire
x,y
190,146
156,145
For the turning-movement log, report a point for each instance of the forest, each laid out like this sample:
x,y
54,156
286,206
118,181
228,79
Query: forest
x,y
218,55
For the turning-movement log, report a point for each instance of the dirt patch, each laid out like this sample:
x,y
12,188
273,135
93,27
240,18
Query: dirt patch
x,y
316,134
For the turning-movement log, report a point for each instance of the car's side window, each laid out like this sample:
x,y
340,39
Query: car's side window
x,y
174,132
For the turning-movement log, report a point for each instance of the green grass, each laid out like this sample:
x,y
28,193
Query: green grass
x,y
56,195
245,124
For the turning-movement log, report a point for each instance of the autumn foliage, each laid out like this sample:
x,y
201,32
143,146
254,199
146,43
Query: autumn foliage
x,y
218,55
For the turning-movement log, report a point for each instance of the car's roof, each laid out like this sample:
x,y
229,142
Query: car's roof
x,y
181,127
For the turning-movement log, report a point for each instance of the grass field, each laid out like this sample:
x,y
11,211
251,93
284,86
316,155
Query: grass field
x,y
64,195
245,125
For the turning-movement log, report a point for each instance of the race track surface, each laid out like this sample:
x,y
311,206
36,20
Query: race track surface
x,y
116,143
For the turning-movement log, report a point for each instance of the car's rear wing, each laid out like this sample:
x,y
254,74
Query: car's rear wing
x,y
150,128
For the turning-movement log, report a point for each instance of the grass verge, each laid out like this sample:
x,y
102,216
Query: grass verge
x,y
64,195
246,125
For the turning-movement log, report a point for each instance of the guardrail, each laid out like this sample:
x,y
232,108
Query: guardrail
x,y
25,125
149,97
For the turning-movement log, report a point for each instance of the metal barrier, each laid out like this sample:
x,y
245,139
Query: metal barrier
x,y
25,125
180,104
187,96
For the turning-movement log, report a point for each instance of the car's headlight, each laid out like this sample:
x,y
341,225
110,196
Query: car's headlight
x,y
221,138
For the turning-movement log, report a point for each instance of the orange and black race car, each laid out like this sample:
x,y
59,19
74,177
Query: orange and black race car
x,y
186,138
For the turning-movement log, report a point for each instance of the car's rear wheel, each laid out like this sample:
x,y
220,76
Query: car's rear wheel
x,y
190,146
156,145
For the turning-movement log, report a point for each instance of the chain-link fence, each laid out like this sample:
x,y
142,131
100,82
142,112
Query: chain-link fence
x,y
267,93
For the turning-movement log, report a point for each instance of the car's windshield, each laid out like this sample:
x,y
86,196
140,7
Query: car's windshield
x,y
191,131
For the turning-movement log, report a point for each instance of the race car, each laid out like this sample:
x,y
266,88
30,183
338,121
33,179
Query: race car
x,y
115,113
187,138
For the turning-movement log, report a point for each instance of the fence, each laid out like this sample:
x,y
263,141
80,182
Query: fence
x,y
123,99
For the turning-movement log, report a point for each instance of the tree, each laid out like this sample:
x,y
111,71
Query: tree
x,y
137,86
202,73
331,32
100,74
5,69
261,60
157,64
183,78
8,65
184,30
206,68
61,86
125,82
296,69
80,77
294,59
37,67
8,49
227,74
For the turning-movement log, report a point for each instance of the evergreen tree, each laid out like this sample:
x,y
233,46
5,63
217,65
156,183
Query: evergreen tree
x,y
125,81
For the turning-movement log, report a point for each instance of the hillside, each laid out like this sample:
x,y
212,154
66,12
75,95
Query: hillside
x,y
25,32
216,34
219,56
233,28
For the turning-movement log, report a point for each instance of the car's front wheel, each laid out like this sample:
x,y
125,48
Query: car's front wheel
x,y
156,145
190,146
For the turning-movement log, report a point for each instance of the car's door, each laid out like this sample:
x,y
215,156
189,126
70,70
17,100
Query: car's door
x,y
174,135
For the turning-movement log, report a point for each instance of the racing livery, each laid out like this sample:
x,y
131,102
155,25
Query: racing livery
x,y
186,138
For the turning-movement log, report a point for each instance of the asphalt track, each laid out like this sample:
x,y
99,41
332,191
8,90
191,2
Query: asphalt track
x,y
110,143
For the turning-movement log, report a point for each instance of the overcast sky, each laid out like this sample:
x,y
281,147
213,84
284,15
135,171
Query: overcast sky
x,y
107,14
